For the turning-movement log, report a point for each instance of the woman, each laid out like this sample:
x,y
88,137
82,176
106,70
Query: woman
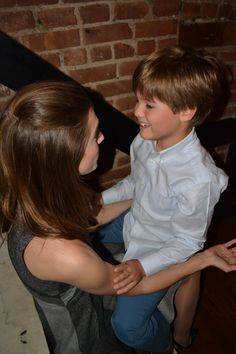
x,y
49,140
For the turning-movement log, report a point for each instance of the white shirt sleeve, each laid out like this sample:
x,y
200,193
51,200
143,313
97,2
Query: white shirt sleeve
x,y
189,225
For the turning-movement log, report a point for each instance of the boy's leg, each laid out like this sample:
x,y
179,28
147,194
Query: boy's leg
x,y
137,322
186,300
113,232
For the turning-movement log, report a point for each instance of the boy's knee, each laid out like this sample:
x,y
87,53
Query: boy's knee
x,y
126,331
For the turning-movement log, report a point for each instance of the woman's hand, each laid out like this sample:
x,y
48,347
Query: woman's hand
x,y
127,275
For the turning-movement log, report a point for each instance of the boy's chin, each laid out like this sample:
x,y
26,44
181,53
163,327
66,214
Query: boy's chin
x,y
146,136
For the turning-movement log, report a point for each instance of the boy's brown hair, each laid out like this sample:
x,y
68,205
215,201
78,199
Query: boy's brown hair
x,y
43,136
182,78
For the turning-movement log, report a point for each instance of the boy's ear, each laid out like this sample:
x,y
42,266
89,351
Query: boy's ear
x,y
187,114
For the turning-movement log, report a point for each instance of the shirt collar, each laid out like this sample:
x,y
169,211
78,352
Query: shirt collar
x,y
191,137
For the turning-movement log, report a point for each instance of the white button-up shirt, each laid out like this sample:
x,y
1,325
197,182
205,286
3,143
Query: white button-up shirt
x,y
174,192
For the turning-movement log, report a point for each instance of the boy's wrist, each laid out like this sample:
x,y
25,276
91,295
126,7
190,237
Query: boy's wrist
x,y
201,260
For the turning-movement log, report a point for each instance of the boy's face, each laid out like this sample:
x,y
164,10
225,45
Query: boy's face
x,y
157,122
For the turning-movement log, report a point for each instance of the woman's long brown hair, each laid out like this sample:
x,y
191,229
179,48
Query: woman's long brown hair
x,y
43,135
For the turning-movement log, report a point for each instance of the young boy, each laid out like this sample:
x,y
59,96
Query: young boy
x,y
174,184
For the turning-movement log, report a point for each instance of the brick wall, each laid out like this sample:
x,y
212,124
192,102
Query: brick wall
x,y
99,43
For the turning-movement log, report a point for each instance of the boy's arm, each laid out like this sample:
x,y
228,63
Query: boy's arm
x,y
123,190
222,256
188,227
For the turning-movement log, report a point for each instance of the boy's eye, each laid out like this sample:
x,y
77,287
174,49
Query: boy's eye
x,y
149,105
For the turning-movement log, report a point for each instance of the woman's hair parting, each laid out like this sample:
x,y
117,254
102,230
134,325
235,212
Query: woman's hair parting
x,y
43,135
181,77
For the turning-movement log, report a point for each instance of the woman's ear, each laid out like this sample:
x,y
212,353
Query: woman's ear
x,y
187,114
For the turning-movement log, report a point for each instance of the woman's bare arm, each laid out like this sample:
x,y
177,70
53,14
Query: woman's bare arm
x,y
108,212
97,276
75,263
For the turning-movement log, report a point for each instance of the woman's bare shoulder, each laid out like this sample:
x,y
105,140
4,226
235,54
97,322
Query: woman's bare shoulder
x,y
68,261
50,259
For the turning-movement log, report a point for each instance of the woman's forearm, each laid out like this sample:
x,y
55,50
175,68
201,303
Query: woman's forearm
x,y
109,212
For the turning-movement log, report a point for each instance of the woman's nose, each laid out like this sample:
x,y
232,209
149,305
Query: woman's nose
x,y
100,138
138,111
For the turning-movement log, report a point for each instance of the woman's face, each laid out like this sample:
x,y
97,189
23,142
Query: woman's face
x,y
91,154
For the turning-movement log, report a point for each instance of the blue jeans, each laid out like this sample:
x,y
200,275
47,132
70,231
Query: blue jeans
x,y
136,320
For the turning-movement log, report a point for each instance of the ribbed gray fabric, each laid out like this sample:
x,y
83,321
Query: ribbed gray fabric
x,y
74,321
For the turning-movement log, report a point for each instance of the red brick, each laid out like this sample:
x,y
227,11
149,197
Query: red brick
x,y
57,17
228,56
99,73
209,10
123,50
75,57
94,13
125,103
10,3
191,10
52,58
132,10
166,8
228,33
127,68
163,43
78,1
107,33
156,28
36,2
101,53
208,34
226,11
51,40
16,21
34,42
114,88
146,47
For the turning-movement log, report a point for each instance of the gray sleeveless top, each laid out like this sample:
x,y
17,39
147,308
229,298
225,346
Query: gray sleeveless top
x,y
74,321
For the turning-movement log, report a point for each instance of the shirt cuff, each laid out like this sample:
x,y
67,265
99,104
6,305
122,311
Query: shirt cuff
x,y
109,196
150,269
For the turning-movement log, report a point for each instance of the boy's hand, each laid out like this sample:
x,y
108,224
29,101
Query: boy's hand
x,y
224,255
128,274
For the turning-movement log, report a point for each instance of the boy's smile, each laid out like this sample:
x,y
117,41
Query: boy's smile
x,y
158,122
